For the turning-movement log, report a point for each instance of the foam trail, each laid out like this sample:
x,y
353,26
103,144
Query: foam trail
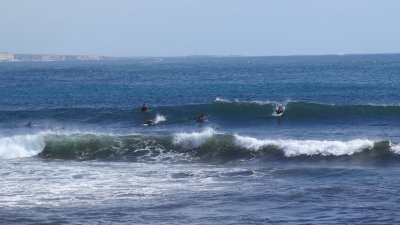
x,y
245,102
308,147
19,146
194,139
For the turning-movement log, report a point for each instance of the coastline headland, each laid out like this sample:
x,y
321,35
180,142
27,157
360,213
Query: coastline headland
x,y
6,56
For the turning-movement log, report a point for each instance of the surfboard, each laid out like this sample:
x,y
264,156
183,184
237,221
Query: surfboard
x,y
151,123
277,114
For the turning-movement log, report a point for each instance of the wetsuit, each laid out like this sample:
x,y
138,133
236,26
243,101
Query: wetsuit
x,y
279,111
149,122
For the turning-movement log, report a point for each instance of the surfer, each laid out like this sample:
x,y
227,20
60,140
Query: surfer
x,y
200,119
279,110
29,124
148,122
144,108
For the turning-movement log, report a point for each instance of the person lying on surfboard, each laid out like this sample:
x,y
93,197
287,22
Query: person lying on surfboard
x,y
148,122
279,110
200,119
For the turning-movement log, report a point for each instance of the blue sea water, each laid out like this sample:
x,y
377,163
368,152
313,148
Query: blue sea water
x,y
332,157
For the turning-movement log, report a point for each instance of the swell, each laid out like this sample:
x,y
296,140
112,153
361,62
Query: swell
x,y
220,109
207,146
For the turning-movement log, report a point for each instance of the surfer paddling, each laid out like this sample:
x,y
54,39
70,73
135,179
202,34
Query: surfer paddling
x,y
199,119
148,122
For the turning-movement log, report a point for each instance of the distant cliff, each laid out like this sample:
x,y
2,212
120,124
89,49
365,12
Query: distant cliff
x,y
5,56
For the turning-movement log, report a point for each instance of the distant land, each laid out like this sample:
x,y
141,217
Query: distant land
x,y
6,56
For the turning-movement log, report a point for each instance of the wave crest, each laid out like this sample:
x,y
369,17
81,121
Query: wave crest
x,y
307,147
194,139
19,146
207,145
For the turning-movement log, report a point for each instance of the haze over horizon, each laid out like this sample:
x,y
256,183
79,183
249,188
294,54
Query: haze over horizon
x,y
132,28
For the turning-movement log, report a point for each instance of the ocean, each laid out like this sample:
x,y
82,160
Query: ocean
x,y
332,157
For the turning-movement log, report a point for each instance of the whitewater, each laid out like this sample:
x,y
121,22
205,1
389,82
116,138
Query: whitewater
x,y
20,146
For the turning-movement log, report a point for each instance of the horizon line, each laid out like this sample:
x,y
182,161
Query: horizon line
x,y
205,55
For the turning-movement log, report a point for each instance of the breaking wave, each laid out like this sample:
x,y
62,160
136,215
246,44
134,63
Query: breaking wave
x,y
19,146
307,147
206,146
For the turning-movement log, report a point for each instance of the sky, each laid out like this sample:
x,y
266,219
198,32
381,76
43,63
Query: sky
x,y
199,27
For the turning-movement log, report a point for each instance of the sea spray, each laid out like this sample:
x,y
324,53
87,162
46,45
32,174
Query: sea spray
x,y
194,139
19,146
159,118
395,148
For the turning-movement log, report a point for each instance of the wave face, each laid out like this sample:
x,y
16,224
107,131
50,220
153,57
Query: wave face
x,y
220,109
299,110
242,130
208,146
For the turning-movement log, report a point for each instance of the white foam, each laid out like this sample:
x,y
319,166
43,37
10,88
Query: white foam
x,y
159,118
221,100
78,132
19,146
261,102
237,101
395,148
307,147
194,139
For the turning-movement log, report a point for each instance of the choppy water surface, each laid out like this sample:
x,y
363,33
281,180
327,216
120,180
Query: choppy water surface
x,y
332,157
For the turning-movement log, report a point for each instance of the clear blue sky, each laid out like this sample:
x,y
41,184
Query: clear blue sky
x,y
199,27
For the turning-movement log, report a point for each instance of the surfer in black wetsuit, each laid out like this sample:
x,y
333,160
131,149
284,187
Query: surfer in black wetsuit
x,y
144,108
279,110
29,124
200,119
148,122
